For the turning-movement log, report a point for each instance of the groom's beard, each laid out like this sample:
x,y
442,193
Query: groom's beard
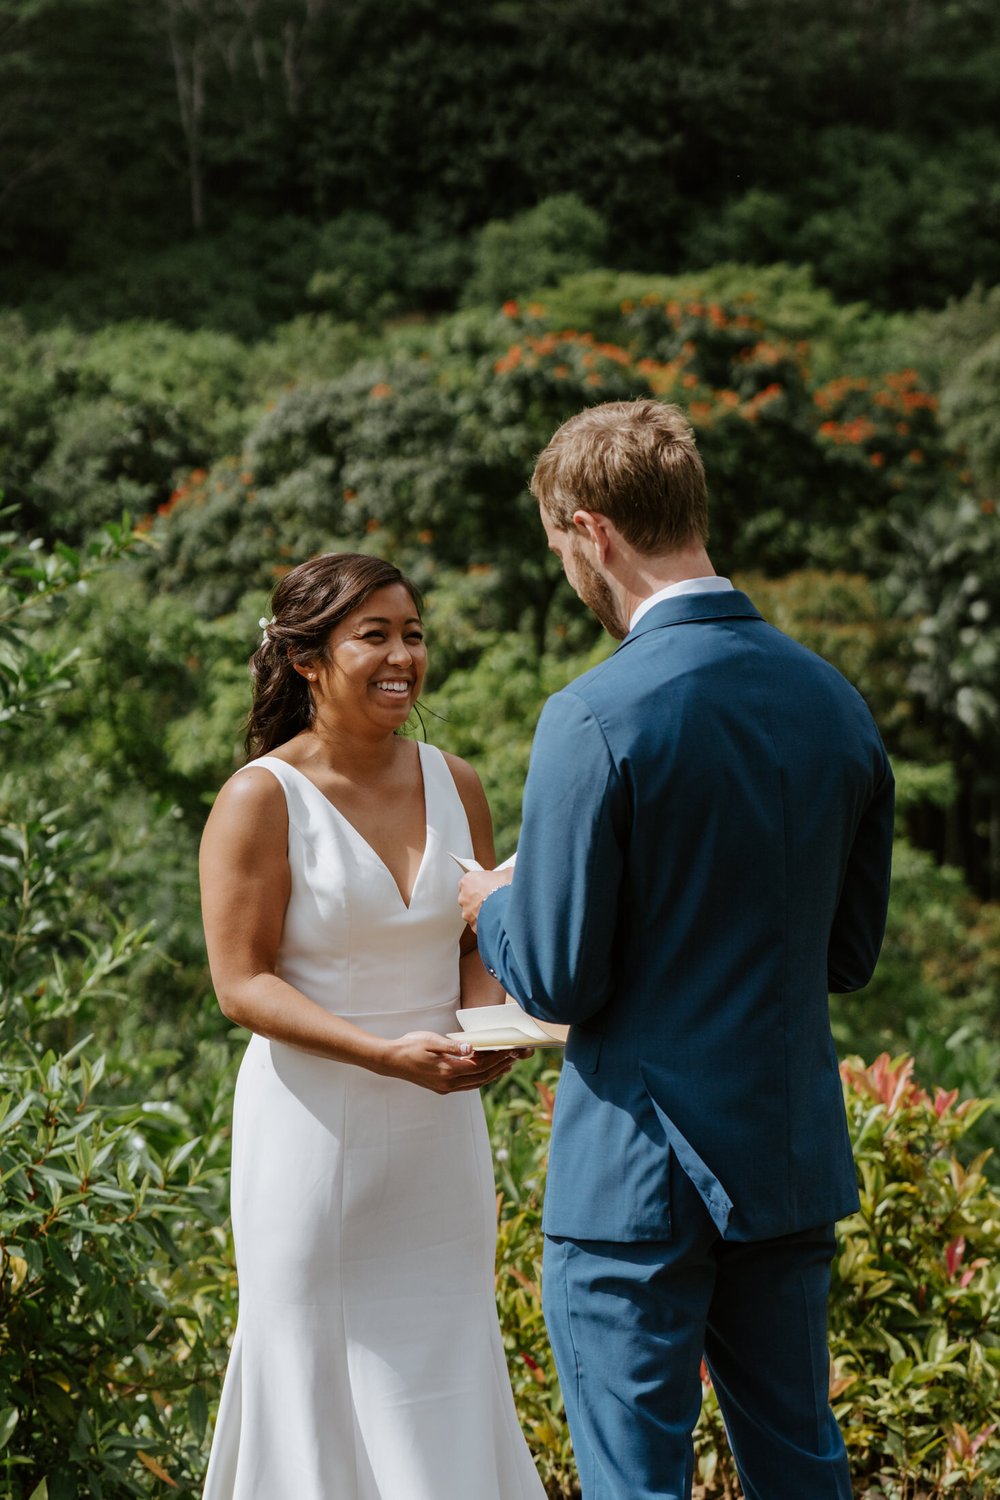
x,y
594,592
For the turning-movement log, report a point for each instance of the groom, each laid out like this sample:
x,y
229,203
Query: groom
x,y
704,856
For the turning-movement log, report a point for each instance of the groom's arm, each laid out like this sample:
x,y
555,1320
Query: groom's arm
x,y
549,935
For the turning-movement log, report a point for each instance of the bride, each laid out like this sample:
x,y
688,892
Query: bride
x,y
367,1362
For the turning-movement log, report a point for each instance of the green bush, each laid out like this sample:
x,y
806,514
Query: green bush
x,y
113,1267
914,1308
368,271
535,249
915,1302
969,405
94,425
879,216
107,1360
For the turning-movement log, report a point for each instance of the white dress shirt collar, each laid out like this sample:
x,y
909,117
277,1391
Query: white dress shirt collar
x,y
712,585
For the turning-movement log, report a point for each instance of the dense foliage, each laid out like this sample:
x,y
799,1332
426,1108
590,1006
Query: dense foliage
x,y
115,1296
220,154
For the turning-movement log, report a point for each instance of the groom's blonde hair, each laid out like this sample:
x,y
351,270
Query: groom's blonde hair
x,y
636,463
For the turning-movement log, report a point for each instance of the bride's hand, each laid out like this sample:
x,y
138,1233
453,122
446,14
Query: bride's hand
x,y
435,1062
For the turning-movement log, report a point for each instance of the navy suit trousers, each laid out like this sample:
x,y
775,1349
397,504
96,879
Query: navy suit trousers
x,y
630,1323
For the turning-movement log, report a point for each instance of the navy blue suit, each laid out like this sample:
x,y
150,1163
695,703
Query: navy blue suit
x,y
704,855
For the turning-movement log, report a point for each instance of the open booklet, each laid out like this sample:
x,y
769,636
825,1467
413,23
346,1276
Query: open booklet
x,y
491,1027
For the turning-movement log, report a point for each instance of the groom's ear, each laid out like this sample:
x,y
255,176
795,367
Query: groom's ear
x,y
595,528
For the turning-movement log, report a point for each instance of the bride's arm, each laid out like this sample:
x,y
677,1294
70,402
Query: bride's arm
x,y
477,986
245,885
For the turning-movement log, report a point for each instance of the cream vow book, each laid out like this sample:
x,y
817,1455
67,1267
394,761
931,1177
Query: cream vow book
x,y
488,1028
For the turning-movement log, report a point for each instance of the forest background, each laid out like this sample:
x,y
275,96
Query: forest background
x,y
287,276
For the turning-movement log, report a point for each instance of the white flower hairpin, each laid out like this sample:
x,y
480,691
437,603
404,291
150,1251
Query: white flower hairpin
x,y
265,625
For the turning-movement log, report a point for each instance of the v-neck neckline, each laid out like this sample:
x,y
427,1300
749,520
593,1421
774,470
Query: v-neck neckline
x,y
407,905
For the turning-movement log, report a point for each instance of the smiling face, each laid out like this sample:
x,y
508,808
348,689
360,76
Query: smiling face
x,y
374,664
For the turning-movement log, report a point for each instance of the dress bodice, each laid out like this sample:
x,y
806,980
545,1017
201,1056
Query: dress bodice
x,y
349,940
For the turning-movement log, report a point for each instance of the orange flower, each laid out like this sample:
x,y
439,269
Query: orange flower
x,y
561,371
372,525
689,381
877,460
198,476
729,398
350,496
246,477
902,428
593,378
988,507
700,411
627,307
510,309
426,537
915,456
380,391
919,400
535,310
508,361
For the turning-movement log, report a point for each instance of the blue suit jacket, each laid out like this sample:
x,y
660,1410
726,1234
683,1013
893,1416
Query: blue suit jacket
x,y
704,854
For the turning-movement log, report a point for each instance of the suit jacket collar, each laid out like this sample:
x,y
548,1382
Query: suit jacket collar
x,y
684,608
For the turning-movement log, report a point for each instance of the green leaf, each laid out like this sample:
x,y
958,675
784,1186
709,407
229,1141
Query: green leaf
x,y
198,1411
8,1421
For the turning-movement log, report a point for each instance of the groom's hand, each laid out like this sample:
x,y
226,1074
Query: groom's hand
x,y
476,886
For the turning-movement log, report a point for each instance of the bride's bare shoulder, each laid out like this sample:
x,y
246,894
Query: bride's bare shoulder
x,y
250,805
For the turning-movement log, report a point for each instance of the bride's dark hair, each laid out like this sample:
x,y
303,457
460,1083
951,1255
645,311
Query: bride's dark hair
x,y
306,605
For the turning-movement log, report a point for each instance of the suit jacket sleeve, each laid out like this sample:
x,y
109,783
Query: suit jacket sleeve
x,y
549,935
859,923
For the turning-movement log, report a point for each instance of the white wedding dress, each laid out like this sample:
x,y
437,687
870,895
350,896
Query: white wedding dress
x,y
367,1362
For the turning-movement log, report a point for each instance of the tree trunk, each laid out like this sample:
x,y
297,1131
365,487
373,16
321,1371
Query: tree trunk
x,y
189,59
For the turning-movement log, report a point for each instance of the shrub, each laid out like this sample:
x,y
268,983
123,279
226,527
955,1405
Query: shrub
x,y
94,425
915,1301
109,1213
915,1304
535,249
368,270
105,1366
880,217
